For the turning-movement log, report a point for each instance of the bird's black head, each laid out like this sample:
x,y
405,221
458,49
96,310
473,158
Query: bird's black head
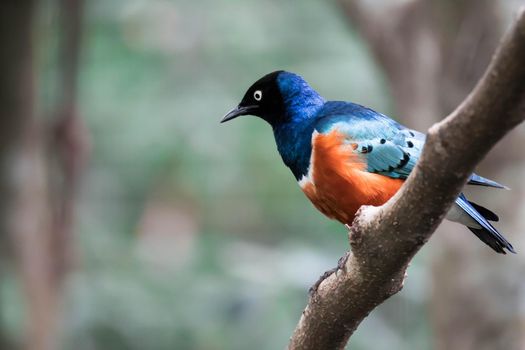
x,y
263,99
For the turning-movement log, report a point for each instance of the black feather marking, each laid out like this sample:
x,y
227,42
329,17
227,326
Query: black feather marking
x,y
382,141
410,144
370,148
404,161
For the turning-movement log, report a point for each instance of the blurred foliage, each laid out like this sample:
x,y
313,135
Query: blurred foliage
x,y
192,234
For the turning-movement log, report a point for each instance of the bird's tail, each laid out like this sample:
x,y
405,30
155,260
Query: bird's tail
x,y
484,230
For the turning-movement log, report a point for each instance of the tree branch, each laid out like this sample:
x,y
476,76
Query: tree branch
x,y
384,239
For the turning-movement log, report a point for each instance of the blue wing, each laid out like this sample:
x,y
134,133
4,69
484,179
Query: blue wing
x,y
388,147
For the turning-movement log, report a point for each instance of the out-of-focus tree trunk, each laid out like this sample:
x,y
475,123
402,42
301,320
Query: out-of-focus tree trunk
x,y
16,89
71,139
404,45
432,53
30,233
16,107
36,219
24,211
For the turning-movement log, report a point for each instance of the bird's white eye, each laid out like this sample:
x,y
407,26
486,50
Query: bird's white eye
x,y
257,95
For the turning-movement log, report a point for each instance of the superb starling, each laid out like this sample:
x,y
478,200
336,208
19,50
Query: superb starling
x,y
345,155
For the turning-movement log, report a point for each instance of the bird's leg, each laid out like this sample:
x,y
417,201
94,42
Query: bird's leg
x,y
341,263
313,289
340,266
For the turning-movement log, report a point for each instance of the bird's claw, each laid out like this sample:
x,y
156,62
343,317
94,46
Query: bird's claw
x,y
313,289
341,265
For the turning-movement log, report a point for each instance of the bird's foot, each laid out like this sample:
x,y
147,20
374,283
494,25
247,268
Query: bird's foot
x,y
313,289
341,265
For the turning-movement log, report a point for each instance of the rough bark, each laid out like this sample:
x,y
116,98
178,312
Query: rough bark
x,y
385,239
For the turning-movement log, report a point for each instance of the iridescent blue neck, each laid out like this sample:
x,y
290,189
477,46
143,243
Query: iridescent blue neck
x,y
300,100
294,143
293,132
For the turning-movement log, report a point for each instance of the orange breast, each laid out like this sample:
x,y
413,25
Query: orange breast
x,y
338,183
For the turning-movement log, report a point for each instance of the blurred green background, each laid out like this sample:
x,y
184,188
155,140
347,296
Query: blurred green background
x,y
191,234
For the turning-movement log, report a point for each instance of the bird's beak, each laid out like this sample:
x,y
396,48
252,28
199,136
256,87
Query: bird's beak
x,y
237,112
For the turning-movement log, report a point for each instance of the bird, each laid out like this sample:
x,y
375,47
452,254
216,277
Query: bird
x,y
344,155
